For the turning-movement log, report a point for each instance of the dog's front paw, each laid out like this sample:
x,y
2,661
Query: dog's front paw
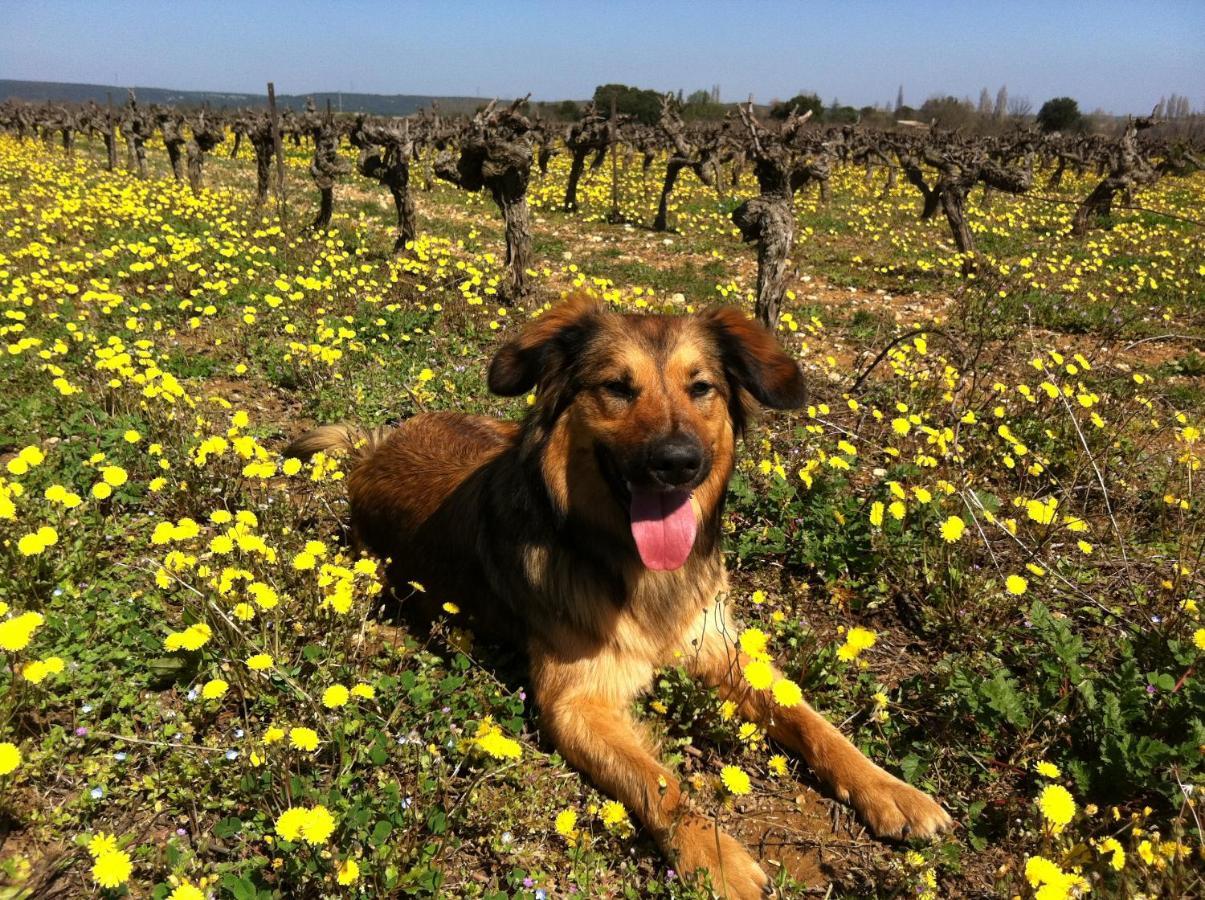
x,y
698,843
894,809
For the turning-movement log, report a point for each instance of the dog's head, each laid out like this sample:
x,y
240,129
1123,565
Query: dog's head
x,y
639,413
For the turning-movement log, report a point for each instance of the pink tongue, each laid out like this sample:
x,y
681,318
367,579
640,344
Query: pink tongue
x,y
663,526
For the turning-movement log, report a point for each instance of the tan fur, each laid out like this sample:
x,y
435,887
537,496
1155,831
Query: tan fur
x,y
520,525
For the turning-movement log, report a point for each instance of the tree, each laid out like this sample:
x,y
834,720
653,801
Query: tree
x,y
642,105
1059,114
1001,108
801,103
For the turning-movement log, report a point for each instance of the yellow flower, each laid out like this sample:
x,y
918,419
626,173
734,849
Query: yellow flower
x,y
35,671
759,674
102,491
856,640
1198,638
1144,851
17,632
214,689
952,529
778,764
335,696
112,869
566,825
1113,846
754,641
101,843
787,693
273,734
363,691
304,739
349,871
614,816
1048,770
490,738
289,822
186,890
10,757
317,825
114,476
1042,511
451,608
1015,584
1057,804
131,437
735,780
259,662
876,514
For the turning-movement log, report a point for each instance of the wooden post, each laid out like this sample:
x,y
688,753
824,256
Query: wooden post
x,y
613,134
280,156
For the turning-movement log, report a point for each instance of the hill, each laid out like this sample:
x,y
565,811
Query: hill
x,y
375,104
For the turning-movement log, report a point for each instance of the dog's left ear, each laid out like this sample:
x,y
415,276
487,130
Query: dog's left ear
x,y
754,360
545,348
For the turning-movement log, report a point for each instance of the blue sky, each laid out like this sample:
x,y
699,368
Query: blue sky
x,y
1120,56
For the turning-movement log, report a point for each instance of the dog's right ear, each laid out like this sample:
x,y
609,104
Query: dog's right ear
x,y
546,347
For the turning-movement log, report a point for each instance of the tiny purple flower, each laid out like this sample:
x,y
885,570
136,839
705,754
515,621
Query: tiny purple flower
x,y
1150,689
81,731
527,882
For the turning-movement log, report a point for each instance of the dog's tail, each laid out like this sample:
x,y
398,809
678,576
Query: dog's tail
x,y
357,441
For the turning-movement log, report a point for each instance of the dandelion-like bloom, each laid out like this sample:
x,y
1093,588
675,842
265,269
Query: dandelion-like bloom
x,y
952,529
759,674
566,825
17,632
349,872
289,822
214,689
778,764
856,640
614,816
735,780
186,891
259,662
876,514
112,869
1113,846
335,696
1016,585
787,693
490,738
1051,881
10,757
364,691
1198,638
101,843
754,642
1057,804
317,825
303,738
1048,770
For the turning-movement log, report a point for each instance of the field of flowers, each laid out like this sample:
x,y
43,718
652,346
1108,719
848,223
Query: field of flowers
x,y
978,548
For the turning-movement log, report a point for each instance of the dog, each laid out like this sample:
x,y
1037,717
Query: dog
x,y
589,535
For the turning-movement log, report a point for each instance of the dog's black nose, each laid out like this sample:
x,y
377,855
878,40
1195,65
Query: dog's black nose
x,y
676,461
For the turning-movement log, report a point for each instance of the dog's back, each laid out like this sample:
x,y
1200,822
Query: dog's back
x,y
419,499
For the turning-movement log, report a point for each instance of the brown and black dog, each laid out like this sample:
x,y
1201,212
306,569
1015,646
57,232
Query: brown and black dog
x,y
590,535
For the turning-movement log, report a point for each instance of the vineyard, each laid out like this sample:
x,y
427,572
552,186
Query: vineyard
x,y
977,548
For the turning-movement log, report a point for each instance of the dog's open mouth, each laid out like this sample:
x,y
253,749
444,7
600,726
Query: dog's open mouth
x,y
664,527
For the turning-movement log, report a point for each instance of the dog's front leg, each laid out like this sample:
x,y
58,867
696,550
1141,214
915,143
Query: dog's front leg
x,y
583,712
889,806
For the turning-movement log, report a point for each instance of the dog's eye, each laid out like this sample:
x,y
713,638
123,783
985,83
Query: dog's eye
x,y
701,389
620,389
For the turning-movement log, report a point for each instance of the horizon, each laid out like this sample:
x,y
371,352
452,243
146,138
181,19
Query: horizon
x,y
933,48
